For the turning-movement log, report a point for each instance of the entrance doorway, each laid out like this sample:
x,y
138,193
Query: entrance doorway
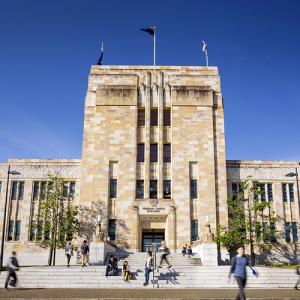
x,y
152,237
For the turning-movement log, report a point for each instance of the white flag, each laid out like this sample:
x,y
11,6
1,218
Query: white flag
x,y
204,49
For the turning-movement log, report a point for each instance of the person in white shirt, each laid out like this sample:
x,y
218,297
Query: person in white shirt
x,y
126,271
148,267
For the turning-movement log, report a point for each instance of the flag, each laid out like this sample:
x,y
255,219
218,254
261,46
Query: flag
x,y
100,59
204,49
149,30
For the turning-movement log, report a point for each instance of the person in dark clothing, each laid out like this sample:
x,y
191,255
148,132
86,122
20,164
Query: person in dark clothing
x,y
298,272
12,267
112,263
238,266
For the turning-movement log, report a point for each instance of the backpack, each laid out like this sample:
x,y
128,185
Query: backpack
x,y
233,267
84,249
167,251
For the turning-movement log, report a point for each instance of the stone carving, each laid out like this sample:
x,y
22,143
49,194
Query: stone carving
x,y
40,171
154,202
258,173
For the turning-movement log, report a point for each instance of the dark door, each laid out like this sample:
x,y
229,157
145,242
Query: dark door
x,y
149,238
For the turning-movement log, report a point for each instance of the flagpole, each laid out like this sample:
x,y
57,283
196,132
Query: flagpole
x,y
154,46
206,58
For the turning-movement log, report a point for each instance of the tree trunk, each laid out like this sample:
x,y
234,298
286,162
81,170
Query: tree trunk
x,y
50,256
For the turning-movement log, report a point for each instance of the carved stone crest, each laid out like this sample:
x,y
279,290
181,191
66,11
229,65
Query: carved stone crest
x,y
154,202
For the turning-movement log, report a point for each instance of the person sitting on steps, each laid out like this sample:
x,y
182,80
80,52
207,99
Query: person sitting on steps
x,y
183,251
189,251
112,263
126,271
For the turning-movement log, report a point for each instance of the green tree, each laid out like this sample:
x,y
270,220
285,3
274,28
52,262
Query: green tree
x,y
237,231
54,203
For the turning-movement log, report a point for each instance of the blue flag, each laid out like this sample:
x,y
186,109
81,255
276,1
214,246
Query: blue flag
x,y
100,59
149,30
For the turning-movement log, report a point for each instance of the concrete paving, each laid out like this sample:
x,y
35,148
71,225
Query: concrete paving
x,y
157,294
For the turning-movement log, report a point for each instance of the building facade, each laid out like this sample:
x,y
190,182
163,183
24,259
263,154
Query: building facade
x,y
153,164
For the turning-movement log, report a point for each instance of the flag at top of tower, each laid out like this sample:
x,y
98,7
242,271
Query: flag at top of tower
x,y
204,49
101,56
149,30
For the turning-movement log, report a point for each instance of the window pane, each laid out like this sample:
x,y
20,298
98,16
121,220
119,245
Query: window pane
x,y
167,153
36,191
284,192
21,194
263,196
154,115
14,191
167,117
65,189
193,189
141,117
194,229
140,189
32,231
265,224
270,192
234,190
241,190
113,188
50,189
140,152
295,234
291,190
112,229
153,189
10,230
40,231
0,186
273,238
153,153
72,191
47,230
18,230
167,189
43,190
287,232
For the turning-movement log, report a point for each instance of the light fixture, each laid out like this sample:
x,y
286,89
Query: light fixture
x,y
290,175
99,218
207,219
14,173
108,238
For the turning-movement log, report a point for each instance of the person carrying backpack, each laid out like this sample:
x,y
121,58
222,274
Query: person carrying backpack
x,y
12,267
238,266
85,250
165,252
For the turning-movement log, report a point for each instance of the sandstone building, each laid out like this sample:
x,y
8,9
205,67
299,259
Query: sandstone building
x,y
153,162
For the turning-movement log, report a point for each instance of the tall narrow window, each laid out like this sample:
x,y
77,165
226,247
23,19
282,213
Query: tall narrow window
x,y
32,230
153,152
113,188
193,189
284,192
47,230
273,237
65,189
270,192
241,190
154,117
141,117
287,232
72,191
50,189
263,195
40,230
10,231
18,232
167,153
43,190
265,224
36,191
167,189
234,191
291,190
194,230
295,233
153,189
167,117
140,152
112,229
0,186
21,193
14,191
140,189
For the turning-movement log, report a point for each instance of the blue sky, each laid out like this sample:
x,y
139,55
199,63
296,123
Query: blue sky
x,y
47,48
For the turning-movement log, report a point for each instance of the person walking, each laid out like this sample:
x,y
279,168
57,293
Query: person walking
x,y
238,266
165,252
85,250
126,271
298,273
69,252
112,264
189,251
12,267
148,267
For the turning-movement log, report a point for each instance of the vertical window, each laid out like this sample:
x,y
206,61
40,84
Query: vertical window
x,y
295,234
141,117
193,189
263,196
270,192
234,191
153,189
40,231
287,232
153,152
113,188
10,231
65,189
241,190
43,190
140,152
140,189
167,117
291,190
265,224
167,153
21,193
14,191
47,230
194,230
0,186
72,191
50,189
167,189
273,237
154,117
36,191
284,192
112,229
32,231
18,232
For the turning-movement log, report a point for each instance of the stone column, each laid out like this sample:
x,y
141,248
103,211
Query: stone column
x,y
160,136
135,229
171,242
